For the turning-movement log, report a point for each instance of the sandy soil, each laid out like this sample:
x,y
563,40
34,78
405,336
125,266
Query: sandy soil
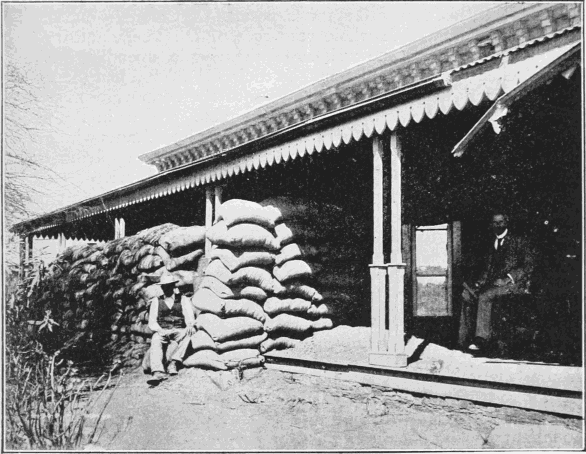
x,y
271,410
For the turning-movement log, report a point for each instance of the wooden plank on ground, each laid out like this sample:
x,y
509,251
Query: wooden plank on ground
x,y
531,401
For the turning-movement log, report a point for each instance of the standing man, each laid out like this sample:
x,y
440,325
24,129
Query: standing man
x,y
507,272
171,319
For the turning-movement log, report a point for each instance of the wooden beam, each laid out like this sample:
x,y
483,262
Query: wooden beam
x,y
21,256
209,207
532,401
392,353
396,202
121,228
217,201
377,202
29,248
62,243
396,268
378,270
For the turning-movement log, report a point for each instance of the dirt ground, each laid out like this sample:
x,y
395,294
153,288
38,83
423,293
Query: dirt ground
x,y
272,410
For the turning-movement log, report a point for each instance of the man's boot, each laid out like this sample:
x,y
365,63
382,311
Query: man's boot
x,y
172,368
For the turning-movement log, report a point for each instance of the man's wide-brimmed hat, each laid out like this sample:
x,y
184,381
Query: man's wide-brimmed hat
x,y
168,279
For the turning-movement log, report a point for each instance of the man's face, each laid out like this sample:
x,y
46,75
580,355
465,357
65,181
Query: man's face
x,y
168,288
499,224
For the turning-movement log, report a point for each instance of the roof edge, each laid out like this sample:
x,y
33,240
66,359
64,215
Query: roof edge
x,y
461,31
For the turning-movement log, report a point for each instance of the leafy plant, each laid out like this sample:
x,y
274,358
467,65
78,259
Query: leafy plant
x,y
48,404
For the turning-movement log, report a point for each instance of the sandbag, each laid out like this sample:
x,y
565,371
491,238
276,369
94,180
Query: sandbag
x,y
143,316
153,234
206,301
92,290
247,342
294,324
274,306
251,275
222,330
119,293
296,269
183,238
187,260
165,257
239,355
300,290
338,296
341,311
321,324
135,289
236,259
126,258
207,359
242,236
244,307
280,343
201,340
248,363
150,262
250,292
287,322
321,310
289,208
219,271
216,286
88,268
238,211
298,232
296,251
143,251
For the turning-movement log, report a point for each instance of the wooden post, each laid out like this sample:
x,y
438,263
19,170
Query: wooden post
x,y
377,268
62,243
217,201
396,269
29,249
392,354
21,257
116,228
121,228
209,218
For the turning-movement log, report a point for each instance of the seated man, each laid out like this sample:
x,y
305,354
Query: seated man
x,y
171,319
507,272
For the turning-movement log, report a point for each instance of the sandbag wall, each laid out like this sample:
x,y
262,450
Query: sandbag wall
x,y
102,291
278,271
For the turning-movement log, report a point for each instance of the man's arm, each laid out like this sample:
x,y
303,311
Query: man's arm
x,y
526,257
188,315
153,314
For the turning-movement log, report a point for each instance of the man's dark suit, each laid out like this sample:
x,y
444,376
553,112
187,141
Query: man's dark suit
x,y
512,262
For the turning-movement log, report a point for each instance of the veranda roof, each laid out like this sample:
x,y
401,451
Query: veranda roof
x,y
484,80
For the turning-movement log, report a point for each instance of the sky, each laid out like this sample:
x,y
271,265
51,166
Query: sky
x,y
117,80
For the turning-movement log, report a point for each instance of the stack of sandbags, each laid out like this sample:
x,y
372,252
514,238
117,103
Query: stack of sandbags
x,y
321,268
82,287
104,291
165,249
235,285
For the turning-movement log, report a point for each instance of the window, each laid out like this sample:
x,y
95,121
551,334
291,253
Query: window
x,y
431,268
